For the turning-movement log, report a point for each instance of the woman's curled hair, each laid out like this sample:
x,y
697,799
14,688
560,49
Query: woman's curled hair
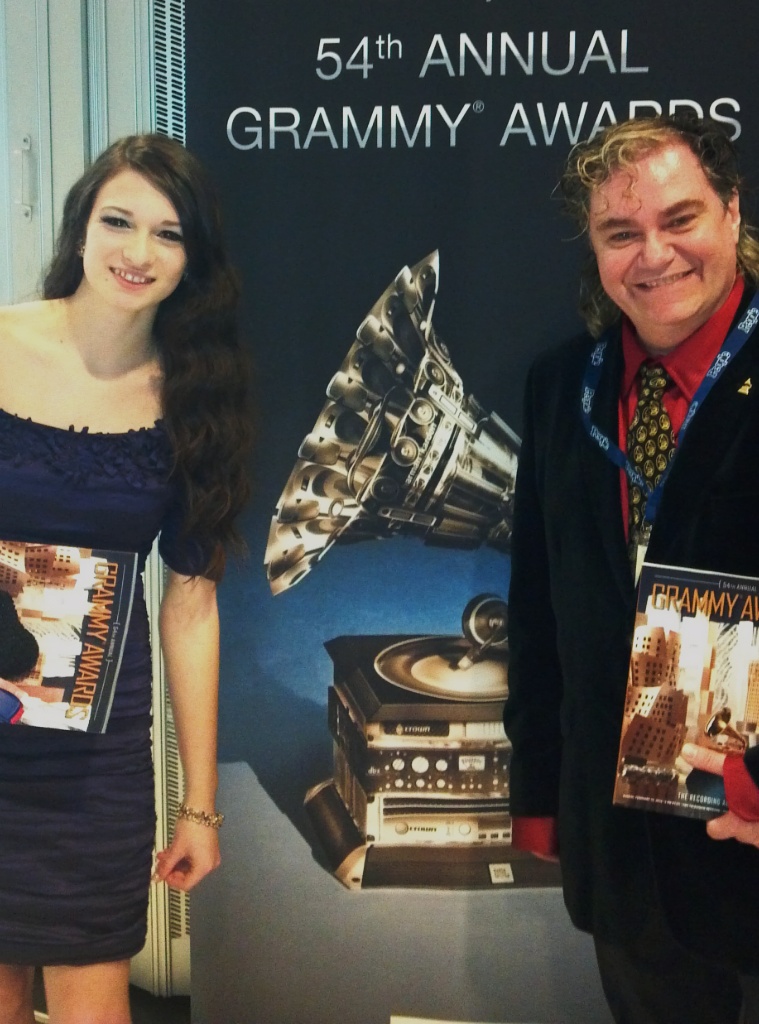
x,y
205,404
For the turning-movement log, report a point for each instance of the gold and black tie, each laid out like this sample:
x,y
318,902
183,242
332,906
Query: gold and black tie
x,y
650,445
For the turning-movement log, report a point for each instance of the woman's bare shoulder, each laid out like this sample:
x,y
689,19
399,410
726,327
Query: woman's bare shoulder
x,y
27,321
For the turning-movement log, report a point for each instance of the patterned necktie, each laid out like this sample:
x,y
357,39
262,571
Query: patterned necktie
x,y
650,445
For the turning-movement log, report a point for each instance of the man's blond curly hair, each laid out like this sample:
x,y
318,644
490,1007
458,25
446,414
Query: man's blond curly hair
x,y
619,147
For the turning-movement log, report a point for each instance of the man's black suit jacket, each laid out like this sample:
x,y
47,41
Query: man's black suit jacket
x,y
571,613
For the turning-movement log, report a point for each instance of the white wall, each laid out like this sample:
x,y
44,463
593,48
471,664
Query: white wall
x,y
74,75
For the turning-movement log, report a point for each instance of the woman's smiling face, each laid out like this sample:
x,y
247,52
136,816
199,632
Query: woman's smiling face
x,y
134,254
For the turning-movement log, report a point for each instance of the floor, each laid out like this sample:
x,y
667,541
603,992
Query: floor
x,y
146,1009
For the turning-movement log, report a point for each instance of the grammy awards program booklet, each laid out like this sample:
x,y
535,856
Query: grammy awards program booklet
x,y
693,678
76,604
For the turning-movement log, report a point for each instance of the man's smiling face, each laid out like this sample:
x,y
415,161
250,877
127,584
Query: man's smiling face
x,y
665,245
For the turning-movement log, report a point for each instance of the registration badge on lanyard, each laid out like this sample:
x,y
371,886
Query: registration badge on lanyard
x,y
640,551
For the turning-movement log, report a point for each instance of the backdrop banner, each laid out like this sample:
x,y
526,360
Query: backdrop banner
x,y
388,175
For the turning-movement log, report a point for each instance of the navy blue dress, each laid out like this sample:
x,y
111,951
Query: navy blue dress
x,y
77,814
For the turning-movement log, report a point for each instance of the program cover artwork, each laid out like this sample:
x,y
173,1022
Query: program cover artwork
x,y
693,677
76,602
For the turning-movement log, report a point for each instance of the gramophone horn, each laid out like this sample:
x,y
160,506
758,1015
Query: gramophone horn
x,y
413,453
719,725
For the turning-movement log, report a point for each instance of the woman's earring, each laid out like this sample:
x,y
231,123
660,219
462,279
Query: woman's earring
x,y
80,250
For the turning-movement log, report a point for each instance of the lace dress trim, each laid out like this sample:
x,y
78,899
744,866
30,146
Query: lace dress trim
x,y
137,456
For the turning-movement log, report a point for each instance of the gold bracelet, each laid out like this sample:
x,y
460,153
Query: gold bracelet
x,y
200,817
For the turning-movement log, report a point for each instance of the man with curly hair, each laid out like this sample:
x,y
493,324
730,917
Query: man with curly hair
x,y
672,270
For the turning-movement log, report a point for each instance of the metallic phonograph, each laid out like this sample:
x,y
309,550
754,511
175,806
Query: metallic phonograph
x,y
419,794
398,447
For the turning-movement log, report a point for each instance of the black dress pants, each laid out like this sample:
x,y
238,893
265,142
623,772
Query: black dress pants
x,y
661,983
750,1010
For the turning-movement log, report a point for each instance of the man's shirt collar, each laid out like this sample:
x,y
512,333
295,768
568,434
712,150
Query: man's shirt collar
x,y
687,364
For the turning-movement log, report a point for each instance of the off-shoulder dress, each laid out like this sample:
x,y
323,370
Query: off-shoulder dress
x,y
77,810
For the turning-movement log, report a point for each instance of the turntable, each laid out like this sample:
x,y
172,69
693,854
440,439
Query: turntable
x,y
420,790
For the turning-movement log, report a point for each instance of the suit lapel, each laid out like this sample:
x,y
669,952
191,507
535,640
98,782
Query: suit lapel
x,y
716,428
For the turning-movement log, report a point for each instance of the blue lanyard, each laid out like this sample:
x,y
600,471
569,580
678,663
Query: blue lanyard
x,y
734,342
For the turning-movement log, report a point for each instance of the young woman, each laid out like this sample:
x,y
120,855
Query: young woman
x,y
123,416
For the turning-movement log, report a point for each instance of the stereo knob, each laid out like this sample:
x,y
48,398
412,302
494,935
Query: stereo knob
x,y
420,765
465,829
398,764
401,828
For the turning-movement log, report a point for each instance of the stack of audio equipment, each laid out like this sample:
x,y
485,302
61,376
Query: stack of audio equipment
x,y
420,791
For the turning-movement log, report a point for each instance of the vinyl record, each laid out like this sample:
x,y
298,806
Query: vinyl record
x,y
429,665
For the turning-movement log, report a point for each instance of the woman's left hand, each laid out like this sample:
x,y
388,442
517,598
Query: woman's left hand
x,y
194,853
